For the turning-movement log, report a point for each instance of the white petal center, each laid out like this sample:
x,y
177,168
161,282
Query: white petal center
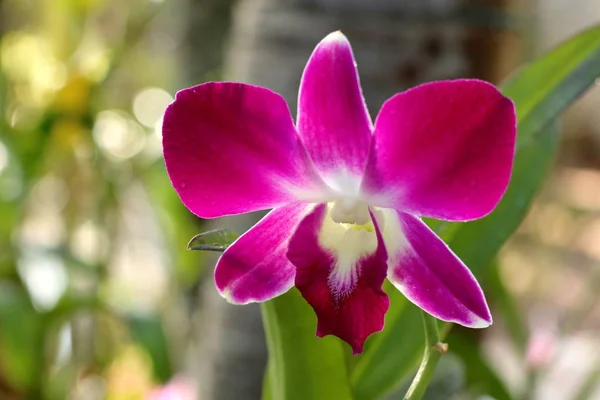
x,y
349,235
350,211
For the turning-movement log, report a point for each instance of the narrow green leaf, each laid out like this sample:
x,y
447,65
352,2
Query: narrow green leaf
x,y
541,90
475,242
377,370
490,233
544,88
215,240
301,366
266,392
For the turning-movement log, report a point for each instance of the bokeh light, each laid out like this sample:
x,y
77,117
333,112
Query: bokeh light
x,y
149,105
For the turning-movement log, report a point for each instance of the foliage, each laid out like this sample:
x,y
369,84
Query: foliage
x,y
79,154
540,91
84,198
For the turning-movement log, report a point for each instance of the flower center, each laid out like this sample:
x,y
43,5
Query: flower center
x,y
350,211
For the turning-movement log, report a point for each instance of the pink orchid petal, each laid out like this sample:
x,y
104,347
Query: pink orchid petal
x,y
255,267
332,116
443,150
342,285
428,273
232,148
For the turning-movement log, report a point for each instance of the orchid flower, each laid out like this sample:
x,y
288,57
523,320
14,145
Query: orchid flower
x,y
347,195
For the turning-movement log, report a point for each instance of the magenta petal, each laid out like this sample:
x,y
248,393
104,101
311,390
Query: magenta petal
x,y
232,148
255,267
332,116
349,302
443,150
428,273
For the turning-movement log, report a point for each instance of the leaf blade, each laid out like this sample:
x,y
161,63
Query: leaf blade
x,y
301,365
540,91
213,240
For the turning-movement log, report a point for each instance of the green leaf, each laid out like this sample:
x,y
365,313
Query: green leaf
x,y
301,366
21,339
491,232
266,392
376,370
544,88
215,240
476,243
541,90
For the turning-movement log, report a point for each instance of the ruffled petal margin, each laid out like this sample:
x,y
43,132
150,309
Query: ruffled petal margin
x,y
340,273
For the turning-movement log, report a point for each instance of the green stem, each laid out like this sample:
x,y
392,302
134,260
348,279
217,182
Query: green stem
x,y
434,349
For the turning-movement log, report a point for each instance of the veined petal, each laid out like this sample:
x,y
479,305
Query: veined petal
x,y
340,271
232,148
255,267
332,116
443,150
430,275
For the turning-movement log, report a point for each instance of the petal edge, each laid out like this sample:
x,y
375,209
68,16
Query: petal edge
x,y
333,120
349,304
430,275
443,150
255,267
232,148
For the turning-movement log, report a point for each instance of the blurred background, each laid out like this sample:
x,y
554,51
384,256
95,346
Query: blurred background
x,y
99,298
